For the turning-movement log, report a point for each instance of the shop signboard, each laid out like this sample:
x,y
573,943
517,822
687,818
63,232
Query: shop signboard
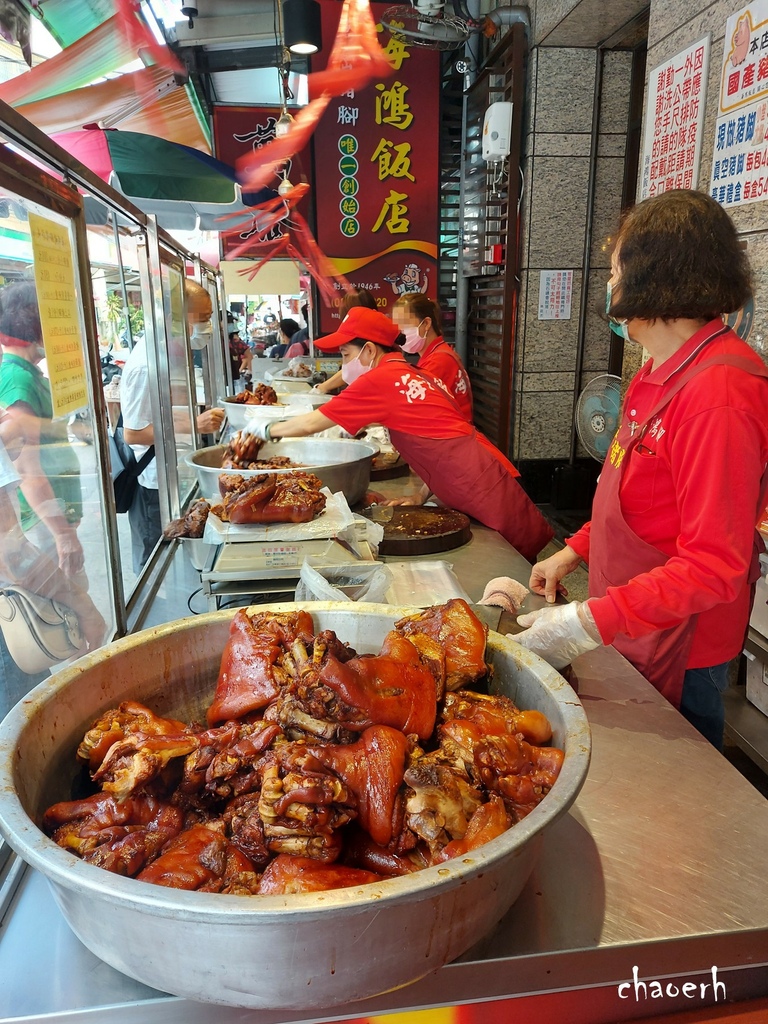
x,y
59,314
376,175
238,131
740,157
674,118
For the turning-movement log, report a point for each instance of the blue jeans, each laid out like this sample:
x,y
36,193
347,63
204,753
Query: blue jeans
x,y
702,701
146,528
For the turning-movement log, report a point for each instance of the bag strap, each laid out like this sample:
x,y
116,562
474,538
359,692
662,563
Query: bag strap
x,y
146,458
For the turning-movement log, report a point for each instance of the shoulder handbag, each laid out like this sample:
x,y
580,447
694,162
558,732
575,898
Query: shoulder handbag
x,y
125,469
38,631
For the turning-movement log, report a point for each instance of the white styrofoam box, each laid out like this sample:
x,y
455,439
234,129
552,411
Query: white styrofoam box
x,y
758,619
757,684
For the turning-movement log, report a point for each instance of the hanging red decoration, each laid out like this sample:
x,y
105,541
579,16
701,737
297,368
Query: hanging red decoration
x,y
139,36
296,242
355,60
256,170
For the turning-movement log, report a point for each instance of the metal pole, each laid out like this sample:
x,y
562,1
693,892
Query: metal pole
x,y
462,282
121,272
581,337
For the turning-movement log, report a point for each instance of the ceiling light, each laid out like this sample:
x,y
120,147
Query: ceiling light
x,y
301,26
284,187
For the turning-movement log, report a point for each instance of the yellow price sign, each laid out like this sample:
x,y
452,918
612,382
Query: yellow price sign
x,y
59,314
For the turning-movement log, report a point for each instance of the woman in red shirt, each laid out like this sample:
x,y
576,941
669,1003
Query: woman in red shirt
x,y
458,465
672,546
418,317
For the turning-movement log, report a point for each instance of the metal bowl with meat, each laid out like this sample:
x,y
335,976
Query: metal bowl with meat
x,y
288,404
341,464
318,949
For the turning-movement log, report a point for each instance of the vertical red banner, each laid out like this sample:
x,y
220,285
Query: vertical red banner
x,y
238,132
377,174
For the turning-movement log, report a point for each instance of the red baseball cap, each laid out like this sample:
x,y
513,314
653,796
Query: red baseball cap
x,y
366,324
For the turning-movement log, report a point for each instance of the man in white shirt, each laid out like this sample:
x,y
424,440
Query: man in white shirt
x,y
139,431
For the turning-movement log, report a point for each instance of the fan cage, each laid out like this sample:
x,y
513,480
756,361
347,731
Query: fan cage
x,y
597,414
408,25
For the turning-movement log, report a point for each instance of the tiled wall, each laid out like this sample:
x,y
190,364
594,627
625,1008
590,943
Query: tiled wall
x,y
554,210
561,83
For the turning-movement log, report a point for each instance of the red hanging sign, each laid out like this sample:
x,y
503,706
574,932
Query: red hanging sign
x,y
238,132
377,175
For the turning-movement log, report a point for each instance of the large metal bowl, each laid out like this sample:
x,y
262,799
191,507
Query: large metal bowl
x,y
293,952
342,464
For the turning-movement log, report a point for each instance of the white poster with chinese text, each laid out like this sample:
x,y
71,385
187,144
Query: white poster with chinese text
x,y
555,294
674,117
740,157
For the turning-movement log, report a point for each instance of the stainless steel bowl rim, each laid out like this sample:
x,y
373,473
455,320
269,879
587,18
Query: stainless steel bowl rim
x,y
364,449
71,873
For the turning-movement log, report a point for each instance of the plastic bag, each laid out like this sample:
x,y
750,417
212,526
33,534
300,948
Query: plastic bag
x,y
364,582
423,583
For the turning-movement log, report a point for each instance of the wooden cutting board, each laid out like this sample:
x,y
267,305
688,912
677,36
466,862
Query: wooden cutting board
x,y
424,530
384,467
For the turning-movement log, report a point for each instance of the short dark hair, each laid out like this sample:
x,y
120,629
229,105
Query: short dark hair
x,y
421,306
19,312
288,327
679,257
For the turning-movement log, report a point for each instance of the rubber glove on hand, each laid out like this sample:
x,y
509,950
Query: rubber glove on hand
x,y
559,634
259,430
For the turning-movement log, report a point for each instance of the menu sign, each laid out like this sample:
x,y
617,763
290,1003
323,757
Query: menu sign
x,y
674,120
376,175
59,314
740,158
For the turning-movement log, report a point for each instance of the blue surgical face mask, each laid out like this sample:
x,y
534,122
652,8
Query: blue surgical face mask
x,y
617,326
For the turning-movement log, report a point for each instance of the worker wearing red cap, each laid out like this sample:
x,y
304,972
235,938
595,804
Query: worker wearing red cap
x,y
457,463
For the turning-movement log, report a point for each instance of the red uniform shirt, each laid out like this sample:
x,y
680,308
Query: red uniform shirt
x,y
461,466
691,488
396,395
439,359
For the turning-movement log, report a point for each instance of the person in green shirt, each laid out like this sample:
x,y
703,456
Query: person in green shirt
x,y
50,496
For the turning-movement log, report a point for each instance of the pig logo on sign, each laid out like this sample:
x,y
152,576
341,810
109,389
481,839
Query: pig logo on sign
x,y
740,41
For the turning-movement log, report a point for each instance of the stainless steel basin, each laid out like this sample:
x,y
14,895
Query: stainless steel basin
x,y
342,464
317,950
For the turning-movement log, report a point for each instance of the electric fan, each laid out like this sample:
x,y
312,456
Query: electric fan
x,y
597,414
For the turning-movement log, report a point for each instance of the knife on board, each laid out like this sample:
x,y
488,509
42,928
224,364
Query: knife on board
x,y
491,614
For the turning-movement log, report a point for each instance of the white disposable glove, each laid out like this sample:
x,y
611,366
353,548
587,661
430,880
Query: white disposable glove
x,y
560,633
260,430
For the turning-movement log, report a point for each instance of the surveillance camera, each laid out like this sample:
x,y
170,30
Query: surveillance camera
x,y
463,66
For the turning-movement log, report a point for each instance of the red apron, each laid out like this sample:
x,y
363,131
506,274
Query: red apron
x,y
617,554
465,474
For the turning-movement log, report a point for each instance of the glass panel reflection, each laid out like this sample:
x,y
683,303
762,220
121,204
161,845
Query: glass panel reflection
x,y
178,295
120,315
52,530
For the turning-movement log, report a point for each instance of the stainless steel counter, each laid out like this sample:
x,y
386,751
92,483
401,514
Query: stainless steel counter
x,y
660,865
